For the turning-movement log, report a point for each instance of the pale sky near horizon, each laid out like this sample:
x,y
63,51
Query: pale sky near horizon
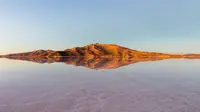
x,y
171,26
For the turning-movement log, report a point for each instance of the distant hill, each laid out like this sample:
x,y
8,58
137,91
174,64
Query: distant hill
x,y
95,50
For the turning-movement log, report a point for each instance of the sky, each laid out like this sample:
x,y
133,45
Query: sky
x,y
169,26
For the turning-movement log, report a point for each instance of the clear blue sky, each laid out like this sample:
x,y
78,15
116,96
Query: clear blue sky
x,y
171,26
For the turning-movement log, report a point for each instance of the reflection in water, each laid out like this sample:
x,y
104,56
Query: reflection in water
x,y
92,63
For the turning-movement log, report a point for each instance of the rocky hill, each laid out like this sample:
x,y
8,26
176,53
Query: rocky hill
x,y
94,50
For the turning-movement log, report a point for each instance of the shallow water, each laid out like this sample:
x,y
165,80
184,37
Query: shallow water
x,y
154,86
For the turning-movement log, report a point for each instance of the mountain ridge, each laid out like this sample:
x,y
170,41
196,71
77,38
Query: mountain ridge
x,y
99,50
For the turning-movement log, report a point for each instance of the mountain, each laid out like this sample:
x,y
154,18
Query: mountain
x,y
95,56
94,50
91,63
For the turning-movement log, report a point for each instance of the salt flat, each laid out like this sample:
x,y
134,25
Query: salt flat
x,y
157,86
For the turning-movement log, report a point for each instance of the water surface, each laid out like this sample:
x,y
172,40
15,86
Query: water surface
x,y
153,86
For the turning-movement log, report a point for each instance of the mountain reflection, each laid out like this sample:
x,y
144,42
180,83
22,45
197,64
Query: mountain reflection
x,y
92,63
